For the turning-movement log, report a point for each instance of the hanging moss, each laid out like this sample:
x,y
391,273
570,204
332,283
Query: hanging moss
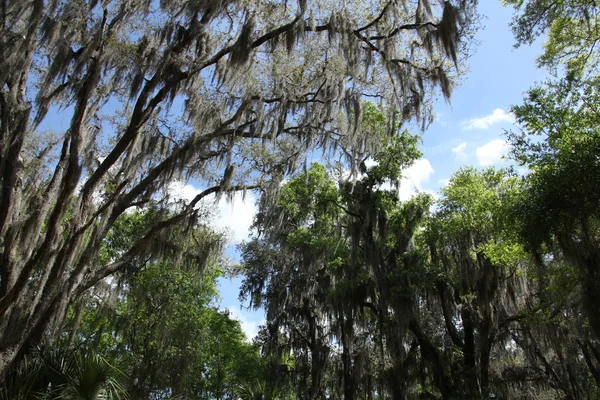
x,y
259,82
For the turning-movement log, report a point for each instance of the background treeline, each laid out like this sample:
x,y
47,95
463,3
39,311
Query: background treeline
x,y
153,331
489,292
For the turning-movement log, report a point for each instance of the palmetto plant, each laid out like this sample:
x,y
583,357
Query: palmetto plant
x,y
72,374
258,390
19,382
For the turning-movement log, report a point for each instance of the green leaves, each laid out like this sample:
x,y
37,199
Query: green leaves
x,y
65,374
398,154
475,219
572,28
309,194
476,202
564,162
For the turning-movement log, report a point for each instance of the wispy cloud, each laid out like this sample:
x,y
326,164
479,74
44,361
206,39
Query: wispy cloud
x,y
414,177
459,151
439,118
234,216
491,152
180,191
443,182
497,116
249,325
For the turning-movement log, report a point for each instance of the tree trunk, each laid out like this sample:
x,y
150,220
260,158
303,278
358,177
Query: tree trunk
x,y
472,389
591,291
347,328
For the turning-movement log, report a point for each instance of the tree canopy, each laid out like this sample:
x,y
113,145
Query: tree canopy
x,y
230,94
571,30
108,277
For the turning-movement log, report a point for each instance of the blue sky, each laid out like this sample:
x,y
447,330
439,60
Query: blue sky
x,y
469,131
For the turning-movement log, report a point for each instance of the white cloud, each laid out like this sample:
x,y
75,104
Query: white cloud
x,y
179,191
491,152
443,182
249,326
497,116
234,216
414,177
459,151
439,118
369,162
523,171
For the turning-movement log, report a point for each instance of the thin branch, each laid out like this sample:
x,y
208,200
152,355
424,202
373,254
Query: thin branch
x,y
377,19
402,28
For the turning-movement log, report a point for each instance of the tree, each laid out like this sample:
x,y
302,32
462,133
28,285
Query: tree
x,y
161,339
158,322
154,325
332,268
286,274
230,94
558,213
572,28
479,265
370,297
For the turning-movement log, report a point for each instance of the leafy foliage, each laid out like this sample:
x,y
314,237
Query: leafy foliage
x,y
75,374
230,94
490,291
571,27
